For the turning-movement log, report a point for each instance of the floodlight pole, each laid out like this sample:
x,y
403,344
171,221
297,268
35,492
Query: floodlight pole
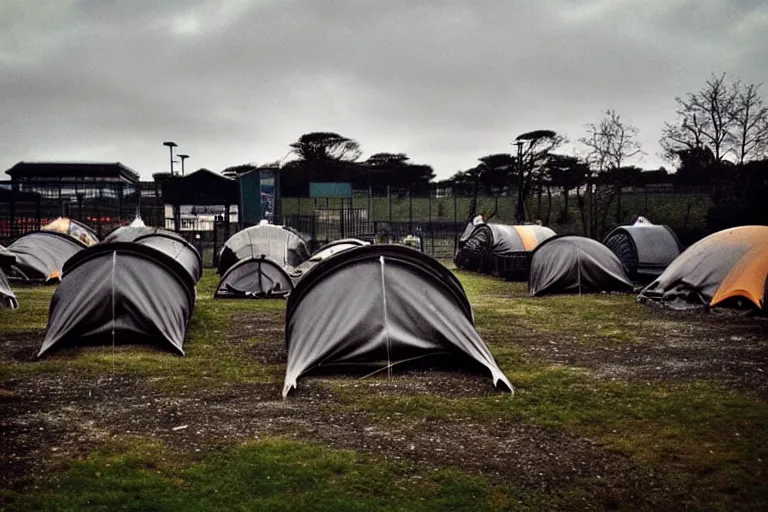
x,y
520,206
182,157
170,145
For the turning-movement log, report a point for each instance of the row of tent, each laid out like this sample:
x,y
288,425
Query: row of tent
x,y
643,249
729,267
351,305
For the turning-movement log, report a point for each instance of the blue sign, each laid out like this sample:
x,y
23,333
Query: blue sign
x,y
330,189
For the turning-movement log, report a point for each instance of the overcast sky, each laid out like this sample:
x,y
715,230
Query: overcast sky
x,y
444,81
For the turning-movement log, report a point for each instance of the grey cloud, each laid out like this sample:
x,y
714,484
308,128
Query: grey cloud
x,y
445,81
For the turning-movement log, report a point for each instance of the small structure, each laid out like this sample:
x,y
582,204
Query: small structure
x,y
727,268
40,256
644,249
260,262
96,193
499,249
376,307
575,265
124,292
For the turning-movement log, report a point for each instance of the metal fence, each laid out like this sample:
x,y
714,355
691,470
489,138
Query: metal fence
x,y
437,217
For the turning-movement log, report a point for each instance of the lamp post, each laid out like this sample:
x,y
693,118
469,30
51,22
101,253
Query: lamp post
x,y
170,145
520,207
182,157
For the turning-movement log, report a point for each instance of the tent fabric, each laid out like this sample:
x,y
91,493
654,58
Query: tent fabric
x,y
256,277
40,256
121,292
326,251
177,248
479,245
7,258
727,265
575,264
7,297
73,228
380,306
130,233
280,244
644,249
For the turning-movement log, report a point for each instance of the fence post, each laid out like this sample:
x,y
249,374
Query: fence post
x,y
455,220
410,210
429,228
370,210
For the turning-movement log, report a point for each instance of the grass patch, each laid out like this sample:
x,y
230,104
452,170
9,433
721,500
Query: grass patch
x,y
272,474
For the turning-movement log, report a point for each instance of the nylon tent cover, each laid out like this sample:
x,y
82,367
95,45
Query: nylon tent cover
x,y
575,264
132,232
40,256
380,305
644,249
254,277
725,266
7,297
281,245
485,242
73,228
121,292
326,252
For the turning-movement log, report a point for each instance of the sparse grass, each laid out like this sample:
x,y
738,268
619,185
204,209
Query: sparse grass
x,y
703,441
272,474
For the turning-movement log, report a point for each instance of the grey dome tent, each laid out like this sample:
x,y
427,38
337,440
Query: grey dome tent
x,y
326,251
124,292
255,277
40,256
644,249
575,264
499,248
258,262
281,244
378,306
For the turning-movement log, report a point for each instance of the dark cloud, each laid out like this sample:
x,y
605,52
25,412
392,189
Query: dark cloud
x,y
444,81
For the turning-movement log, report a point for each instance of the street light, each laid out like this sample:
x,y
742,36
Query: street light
x,y
520,207
170,145
183,157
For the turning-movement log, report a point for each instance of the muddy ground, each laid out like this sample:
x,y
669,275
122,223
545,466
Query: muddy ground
x,y
45,418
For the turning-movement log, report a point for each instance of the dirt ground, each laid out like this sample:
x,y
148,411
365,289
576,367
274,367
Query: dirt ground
x,y
45,418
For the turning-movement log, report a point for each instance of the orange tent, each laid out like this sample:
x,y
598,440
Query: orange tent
x,y
723,268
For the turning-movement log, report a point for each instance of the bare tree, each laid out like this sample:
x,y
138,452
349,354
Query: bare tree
x,y
750,131
609,144
704,118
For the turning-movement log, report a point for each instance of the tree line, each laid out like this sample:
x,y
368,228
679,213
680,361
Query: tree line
x,y
719,136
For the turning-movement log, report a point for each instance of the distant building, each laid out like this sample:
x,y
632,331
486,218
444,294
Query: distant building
x,y
70,180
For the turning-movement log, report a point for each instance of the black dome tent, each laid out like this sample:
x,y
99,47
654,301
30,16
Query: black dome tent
x,y
258,262
40,256
326,251
281,244
254,277
644,249
499,248
575,264
378,306
125,292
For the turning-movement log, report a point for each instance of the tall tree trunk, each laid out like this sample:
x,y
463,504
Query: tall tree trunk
x,y
582,210
549,205
565,203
